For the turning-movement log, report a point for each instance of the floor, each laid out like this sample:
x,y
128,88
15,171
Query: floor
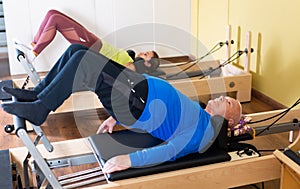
x,y
65,126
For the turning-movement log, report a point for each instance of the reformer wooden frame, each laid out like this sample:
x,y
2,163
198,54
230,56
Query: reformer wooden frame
x,y
219,175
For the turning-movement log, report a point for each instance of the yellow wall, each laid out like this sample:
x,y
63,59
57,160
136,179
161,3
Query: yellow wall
x,y
211,22
275,28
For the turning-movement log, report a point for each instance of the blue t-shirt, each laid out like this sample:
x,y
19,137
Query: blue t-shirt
x,y
174,118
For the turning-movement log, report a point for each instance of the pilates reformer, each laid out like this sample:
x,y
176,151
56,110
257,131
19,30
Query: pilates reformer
x,y
250,168
42,164
71,159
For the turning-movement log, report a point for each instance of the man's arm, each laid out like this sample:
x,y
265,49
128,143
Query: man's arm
x,y
145,157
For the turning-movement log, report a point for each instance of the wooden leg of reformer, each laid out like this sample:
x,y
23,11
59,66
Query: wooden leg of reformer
x,y
289,178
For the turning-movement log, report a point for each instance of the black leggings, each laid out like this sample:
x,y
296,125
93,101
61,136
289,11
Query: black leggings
x,y
122,92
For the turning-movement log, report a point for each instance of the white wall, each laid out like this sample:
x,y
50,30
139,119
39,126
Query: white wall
x,y
162,25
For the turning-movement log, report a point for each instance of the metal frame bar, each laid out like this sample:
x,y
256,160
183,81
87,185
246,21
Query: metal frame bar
x,y
278,128
72,161
38,158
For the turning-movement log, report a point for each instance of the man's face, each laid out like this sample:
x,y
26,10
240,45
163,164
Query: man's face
x,y
146,55
224,106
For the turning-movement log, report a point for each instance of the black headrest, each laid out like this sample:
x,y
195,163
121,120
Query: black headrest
x,y
221,140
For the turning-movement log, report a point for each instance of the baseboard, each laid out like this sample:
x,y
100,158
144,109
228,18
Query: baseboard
x,y
266,99
176,59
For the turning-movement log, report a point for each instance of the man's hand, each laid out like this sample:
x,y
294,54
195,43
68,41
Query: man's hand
x,y
117,163
107,125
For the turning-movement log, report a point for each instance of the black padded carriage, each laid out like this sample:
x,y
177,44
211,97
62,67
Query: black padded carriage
x,y
107,145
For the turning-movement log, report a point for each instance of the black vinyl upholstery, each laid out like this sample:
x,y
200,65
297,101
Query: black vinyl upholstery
x,y
106,146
